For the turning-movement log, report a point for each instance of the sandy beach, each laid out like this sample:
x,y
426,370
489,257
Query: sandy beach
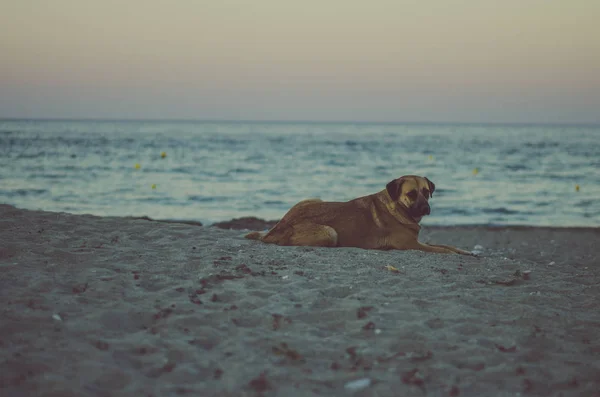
x,y
95,306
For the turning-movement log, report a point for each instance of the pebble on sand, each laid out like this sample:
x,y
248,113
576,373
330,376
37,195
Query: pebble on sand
x,y
477,250
358,384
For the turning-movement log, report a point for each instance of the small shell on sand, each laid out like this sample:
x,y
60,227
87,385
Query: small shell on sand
x,y
392,269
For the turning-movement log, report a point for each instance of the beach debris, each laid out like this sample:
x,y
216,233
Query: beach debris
x,y
154,186
430,157
163,313
56,317
377,331
390,358
277,321
477,250
362,311
358,384
413,377
260,383
509,281
351,352
163,155
285,277
194,297
476,367
391,269
503,349
101,345
369,326
573,382
358,362
416,357
218,373
551,263
79,288
576,188
454,391
243,268
137,166
475,171
284,350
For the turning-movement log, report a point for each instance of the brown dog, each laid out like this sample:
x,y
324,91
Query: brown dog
x,y
385,220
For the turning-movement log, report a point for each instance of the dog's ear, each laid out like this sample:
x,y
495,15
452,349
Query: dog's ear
x,y
431,186
394,187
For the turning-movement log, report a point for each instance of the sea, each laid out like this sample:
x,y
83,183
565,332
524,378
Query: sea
x,y
211,171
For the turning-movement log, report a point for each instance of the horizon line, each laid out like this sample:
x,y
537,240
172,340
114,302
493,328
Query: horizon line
x,y
291,121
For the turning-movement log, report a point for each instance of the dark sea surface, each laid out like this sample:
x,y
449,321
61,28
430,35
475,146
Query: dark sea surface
x,y
215,171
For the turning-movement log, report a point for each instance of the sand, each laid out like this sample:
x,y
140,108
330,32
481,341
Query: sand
x,y
96,306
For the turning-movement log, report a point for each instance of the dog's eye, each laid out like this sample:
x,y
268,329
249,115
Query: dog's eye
x,y
412,194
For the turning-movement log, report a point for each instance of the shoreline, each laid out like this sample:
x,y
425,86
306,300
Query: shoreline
x,y
256,224
97,306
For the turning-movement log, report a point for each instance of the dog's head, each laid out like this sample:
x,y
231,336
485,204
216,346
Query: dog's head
x,y
412,192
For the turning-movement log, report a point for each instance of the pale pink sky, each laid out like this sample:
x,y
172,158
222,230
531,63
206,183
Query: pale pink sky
x,y
377,60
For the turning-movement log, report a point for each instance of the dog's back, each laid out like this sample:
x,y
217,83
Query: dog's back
x,y
331,223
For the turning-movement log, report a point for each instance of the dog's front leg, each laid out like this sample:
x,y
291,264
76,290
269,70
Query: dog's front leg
x,y
416,245
453,249
432,248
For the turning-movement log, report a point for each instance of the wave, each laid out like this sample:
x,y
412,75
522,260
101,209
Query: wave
x,y
22,192
47,176
207,199
541,145
500,210
243,171
273,202
585,203
517,167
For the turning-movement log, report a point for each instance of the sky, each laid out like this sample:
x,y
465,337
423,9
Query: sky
x,y
522,61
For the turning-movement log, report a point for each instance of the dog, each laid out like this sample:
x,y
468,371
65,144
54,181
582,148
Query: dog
x,y
385,220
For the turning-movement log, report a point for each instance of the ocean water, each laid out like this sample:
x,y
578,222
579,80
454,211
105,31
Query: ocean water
x,y
214,171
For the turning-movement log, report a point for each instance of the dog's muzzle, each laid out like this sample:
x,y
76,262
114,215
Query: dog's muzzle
x,y
421,208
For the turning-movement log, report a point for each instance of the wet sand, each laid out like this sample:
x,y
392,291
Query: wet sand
x,y
95,306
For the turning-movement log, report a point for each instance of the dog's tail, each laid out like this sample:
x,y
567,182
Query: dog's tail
x,y
254,235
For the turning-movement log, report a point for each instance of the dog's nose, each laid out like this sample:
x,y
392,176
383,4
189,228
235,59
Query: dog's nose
x,y
426,209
